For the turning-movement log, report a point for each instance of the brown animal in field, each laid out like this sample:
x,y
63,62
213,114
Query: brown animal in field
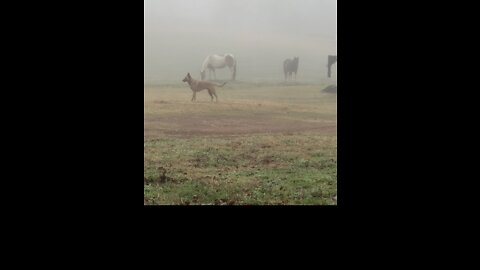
x,y
197,86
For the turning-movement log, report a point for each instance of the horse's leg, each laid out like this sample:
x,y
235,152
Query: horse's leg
x,y
211,96
232,70
214,75
194,97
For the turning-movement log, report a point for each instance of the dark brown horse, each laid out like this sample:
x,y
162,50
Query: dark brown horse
x,y
290,66
332,59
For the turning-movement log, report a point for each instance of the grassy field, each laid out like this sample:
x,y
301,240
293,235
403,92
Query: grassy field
x,y
262,143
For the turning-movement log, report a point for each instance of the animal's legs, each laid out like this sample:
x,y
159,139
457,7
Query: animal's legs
x,y
210,93
231,71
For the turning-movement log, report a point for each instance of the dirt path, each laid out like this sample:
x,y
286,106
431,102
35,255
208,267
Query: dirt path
x,y
222,125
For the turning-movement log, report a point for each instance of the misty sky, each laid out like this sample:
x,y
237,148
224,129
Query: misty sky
x,y
179,34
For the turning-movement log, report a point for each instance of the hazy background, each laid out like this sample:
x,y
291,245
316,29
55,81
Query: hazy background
x,y
261,34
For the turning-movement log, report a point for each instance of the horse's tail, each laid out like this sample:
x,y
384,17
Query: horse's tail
x,y
231,63
285,68
286,65
234,71
221,85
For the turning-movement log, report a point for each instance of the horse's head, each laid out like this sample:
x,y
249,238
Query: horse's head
x,y
187,78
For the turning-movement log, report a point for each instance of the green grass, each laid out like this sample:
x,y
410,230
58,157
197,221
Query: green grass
x,y
261,169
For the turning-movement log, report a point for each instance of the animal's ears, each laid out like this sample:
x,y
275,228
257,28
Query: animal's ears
x,y
189,75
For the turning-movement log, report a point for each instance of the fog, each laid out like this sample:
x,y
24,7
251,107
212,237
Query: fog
x,y
261,34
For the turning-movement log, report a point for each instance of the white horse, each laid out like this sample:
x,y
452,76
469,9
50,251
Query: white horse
x,y
332,59
219,61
